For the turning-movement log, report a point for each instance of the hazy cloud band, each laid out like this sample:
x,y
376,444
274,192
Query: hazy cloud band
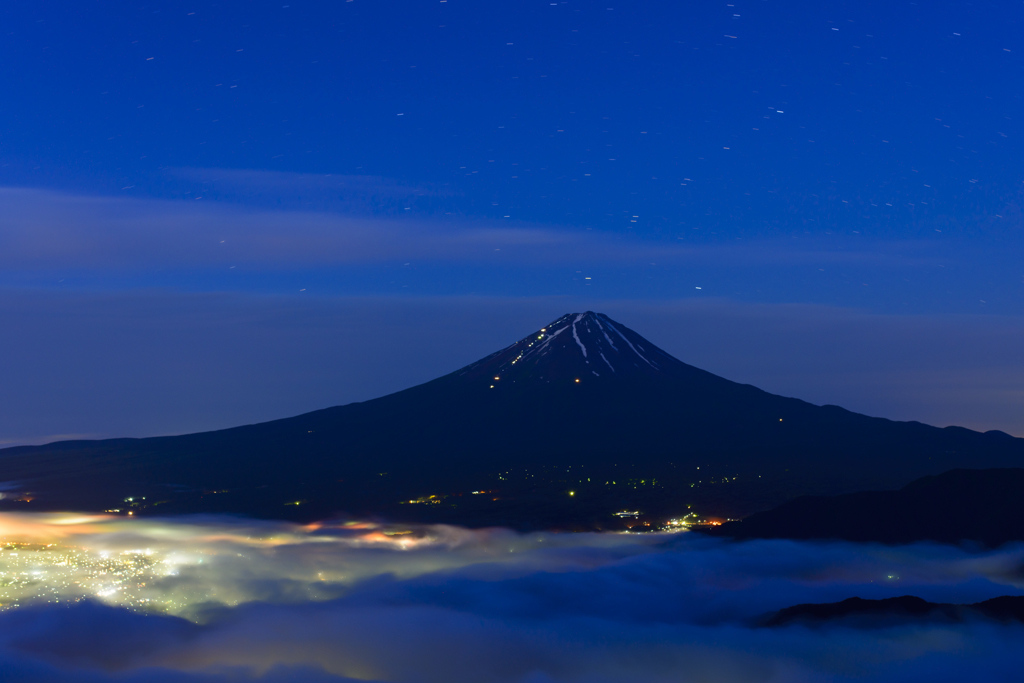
x,y
444,604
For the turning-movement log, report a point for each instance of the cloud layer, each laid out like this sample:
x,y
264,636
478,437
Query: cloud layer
x,y
445,604
261,220
51,231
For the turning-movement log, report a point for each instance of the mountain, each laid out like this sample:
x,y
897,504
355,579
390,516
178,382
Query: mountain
x,y
576,421
906,608
983,506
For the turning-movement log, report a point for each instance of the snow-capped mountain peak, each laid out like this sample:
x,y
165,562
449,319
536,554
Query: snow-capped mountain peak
x,y
576,347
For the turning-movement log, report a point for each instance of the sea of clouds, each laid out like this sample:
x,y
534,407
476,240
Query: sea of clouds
x,y
221,599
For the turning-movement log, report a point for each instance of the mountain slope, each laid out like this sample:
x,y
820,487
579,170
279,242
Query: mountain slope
x,y
571,423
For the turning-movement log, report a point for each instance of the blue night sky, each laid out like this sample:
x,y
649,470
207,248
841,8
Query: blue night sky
x,y
217,213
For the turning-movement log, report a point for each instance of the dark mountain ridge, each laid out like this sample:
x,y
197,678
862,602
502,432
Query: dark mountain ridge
x,y
891,611
573,422
982,506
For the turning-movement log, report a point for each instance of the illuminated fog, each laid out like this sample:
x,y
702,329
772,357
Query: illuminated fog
x,y
216,599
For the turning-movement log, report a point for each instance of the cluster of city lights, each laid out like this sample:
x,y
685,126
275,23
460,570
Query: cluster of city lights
x,y
55,573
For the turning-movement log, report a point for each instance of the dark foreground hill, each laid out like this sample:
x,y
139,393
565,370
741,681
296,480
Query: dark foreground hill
x,y
907,608
983,506
576,421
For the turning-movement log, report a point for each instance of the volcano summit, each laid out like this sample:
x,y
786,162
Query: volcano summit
x,y
576,421
576,346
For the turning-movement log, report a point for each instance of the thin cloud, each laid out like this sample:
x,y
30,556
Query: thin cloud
x,y
46,231
360,194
